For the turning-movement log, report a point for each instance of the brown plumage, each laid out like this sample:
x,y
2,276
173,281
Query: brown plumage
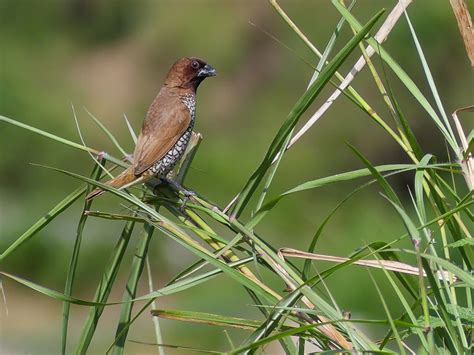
x,y
167,126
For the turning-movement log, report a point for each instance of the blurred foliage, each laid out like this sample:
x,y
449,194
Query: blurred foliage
x,y
110,57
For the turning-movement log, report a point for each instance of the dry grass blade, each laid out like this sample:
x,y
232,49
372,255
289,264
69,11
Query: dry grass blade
x,y
465,26
378,264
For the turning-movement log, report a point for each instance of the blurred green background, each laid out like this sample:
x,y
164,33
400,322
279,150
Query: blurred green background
x,y
110,57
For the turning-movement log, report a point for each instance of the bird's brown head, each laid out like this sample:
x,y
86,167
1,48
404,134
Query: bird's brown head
x,y
188,73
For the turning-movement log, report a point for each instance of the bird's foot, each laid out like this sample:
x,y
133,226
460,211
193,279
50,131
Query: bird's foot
x,y
188,194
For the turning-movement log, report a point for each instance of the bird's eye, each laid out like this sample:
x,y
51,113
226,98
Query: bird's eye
x,y
195,64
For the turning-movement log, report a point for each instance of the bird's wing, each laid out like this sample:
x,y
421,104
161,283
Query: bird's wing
x,y
165,123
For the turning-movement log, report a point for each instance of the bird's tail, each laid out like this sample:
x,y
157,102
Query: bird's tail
x,y
125,178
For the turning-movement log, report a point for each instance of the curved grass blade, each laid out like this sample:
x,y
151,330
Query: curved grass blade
x,y
52,293
44,221
165,291
314,240
63,140
293,117
347,176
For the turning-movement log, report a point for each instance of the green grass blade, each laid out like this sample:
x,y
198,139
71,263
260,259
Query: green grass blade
x,y
408,310
44,221
131,287
181,349
402,75
376,174
114,216
155,321
52,293
449,266
314,240
62,140
328,180
404,124
206,318
175,287
429,76
273,320
419,178
104,288
453,225
293,117
296,331
130,129
107,132
167,290
409,225
74,260
441,307
330,45
389,317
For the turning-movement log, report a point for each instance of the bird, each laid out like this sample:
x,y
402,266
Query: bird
x,y
167,127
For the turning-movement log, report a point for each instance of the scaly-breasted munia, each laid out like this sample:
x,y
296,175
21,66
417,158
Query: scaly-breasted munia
x,y
168,125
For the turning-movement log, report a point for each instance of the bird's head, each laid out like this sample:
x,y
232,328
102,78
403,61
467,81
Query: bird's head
x,y
188,73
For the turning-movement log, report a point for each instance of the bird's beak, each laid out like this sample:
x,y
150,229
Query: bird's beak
x,y
206,71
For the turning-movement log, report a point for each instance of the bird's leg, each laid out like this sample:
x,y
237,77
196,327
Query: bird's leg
x,y
188,194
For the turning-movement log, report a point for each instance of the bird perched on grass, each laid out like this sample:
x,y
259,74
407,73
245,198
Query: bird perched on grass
x,y
167,127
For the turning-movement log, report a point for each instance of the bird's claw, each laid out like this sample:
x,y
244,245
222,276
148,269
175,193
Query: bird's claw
x,y
188,194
